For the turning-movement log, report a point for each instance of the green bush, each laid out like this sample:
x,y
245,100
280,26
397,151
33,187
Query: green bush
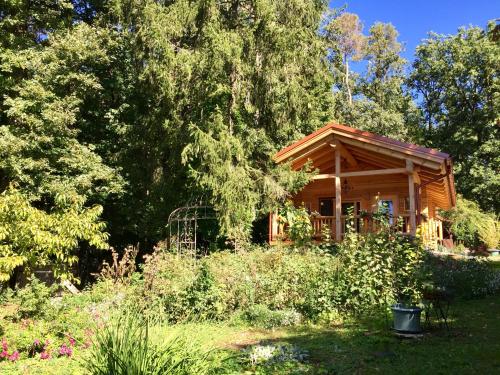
x,y
465,221
124,346
262,316
203,296
369,272
216,286
463,278
489,232
33,299
378,269
298,224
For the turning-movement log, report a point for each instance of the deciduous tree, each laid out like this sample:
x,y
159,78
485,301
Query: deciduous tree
x,y
456,77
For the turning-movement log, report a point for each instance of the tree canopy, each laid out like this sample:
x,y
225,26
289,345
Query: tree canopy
x,y
457,78
133,107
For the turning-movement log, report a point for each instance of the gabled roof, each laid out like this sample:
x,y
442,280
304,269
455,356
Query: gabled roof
x,y
436,165
343,131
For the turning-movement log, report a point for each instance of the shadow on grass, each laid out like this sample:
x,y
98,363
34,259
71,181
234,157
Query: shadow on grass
x,y
472,345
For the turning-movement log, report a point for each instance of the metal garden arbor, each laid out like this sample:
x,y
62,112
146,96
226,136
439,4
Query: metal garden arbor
x,y
183,226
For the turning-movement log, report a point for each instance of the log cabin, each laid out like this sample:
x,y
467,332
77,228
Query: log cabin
x,y
358,172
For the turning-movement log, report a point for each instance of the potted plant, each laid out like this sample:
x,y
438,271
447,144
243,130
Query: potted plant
x,y
489,234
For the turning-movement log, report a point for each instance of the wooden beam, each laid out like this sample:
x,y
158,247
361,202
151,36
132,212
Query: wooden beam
x,y
374,157
309,151
411,191
369,172
346,154
373,172
303,149
324,176
338,197
319,154
395,154
327,166
326,159
416,178
377,163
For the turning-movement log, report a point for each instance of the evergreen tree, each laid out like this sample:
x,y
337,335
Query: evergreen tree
x,y
250,73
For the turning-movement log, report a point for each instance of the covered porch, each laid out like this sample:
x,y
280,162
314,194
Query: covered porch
x,y
359,171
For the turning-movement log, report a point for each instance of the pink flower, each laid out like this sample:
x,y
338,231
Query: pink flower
x,y
14,356
4,354
45,355
72,341
65,350
36,342
4,345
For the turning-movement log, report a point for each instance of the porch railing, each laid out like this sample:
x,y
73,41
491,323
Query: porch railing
x,y
323,225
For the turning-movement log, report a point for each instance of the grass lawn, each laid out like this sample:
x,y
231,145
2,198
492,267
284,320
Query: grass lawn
x,y
472,345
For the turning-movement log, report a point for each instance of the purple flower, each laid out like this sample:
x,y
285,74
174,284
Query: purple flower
x,y
45,355
4,354
72,341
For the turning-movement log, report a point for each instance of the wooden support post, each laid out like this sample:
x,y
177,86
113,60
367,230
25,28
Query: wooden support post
x,y
271,227
411,190
338,197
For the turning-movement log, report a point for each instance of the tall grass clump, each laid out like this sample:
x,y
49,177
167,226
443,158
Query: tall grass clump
x,y
125,346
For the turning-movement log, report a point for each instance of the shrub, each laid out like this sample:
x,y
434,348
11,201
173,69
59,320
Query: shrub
x,y
262,316
120,270
278,278
216,286
33,299
298,224
31,237
489,232
124,346
163,288
464,221
203,296
378,269
463,278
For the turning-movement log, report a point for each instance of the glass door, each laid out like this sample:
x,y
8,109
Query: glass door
x,y
386,206
326,206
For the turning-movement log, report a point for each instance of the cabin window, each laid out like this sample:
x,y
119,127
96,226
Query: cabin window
x,y
387,206
326,206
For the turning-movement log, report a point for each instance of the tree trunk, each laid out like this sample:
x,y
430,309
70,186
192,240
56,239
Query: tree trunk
x,y
349,94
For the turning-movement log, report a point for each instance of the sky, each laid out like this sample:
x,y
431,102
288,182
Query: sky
x,y
415,18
